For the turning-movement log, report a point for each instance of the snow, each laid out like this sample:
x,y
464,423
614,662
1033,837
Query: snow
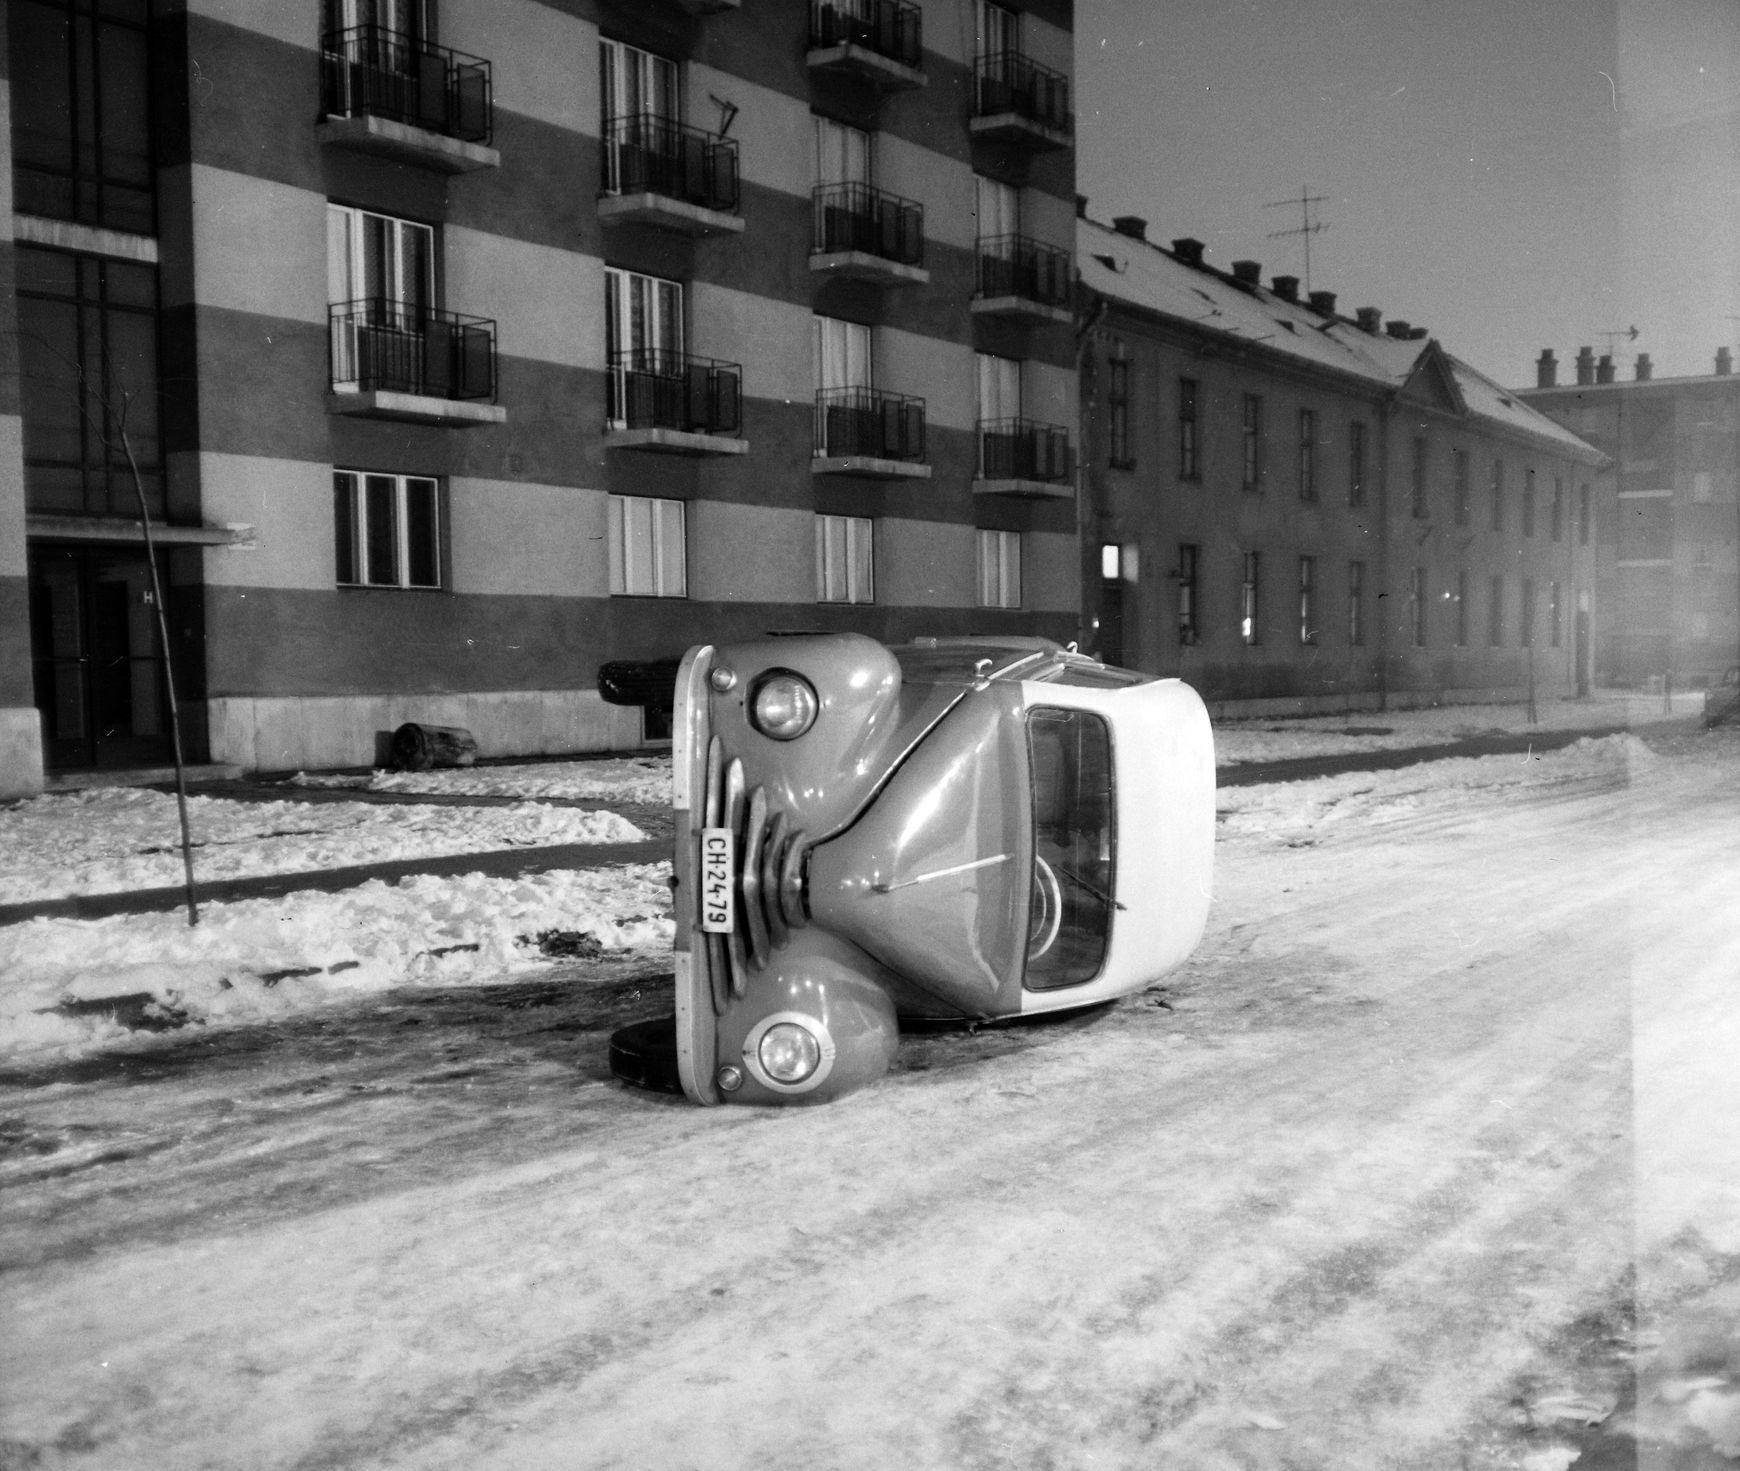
x,y
635,779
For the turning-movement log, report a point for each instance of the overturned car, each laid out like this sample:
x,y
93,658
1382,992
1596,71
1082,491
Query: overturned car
x,y
953,829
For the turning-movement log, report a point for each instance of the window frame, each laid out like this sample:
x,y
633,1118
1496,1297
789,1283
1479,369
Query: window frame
x,y
1000,569
1417,484
1251,600
1356,604
1461,607
1118,454
1189,592
660,516
1356,462
1307,600
1557,513
1189,453
1463,510
1251,441
614,58
1495,611
856,547
354,530
1307,454
1528,505
1498,494
1417,598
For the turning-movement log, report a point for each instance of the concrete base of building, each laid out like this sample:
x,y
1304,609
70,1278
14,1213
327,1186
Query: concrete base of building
x,y
1369,702
20,751
316,733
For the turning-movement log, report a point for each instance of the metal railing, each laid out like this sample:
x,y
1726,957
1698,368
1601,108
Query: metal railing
x,y
867,421
1014,265
376,344
649,154
890,28
857,217
1007,81
1021,449
652,388
369,71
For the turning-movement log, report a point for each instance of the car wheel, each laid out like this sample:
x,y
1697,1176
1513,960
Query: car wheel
x,y
645,1055
1046,916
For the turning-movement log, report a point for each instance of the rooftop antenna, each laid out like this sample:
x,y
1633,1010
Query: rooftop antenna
x,y
1307,226
1628,333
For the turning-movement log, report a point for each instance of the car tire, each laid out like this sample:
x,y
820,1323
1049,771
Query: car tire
x,y
644,1054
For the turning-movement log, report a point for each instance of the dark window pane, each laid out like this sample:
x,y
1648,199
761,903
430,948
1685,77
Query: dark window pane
x,y
381,528
48,353
42,133
344,525
49,272
422,542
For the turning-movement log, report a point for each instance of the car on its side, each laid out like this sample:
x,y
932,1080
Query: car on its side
x,y
969,829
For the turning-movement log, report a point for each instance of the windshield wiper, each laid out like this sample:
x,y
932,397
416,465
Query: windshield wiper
x,y
1094,889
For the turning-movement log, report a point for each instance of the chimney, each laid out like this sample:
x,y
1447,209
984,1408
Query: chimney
x,y
1132,225
1369,317
1604,368
1285,287
1547,369
1248,272
1323,301
1397,329
1585,366
1189,251
1644,367
1418,334
1724,362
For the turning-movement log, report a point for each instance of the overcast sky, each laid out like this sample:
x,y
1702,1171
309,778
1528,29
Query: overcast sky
x,y
1510,174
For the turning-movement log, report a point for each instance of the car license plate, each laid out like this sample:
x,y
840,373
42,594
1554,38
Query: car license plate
x,y
718,880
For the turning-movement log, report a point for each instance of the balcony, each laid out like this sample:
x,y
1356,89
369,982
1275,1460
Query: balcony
x,y
674,403
389,94
866,235
1022,280
659,172
1018,101
880,42
392,360
1024,458
864,431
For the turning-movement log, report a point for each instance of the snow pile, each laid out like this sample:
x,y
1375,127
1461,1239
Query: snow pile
x,y
266,958
1367,797
639,779
114,838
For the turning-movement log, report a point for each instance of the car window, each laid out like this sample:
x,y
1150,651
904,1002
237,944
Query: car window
x,y
961,663
1074,847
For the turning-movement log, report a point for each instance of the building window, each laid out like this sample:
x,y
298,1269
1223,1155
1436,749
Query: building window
x,y
87,351
1462,608
636,84
1555,615
1417,606
843,153
1498,495
648,552
1118,406
1188,466
1250,611
1417,485
1583,516
380,281
1356,464
1557,522
999,569
1252,429
388,529
1307,454
1307,600
643,334
845,560
1356,603
1495,612
1526,613
1189,593
81,112
1528,505
1459,466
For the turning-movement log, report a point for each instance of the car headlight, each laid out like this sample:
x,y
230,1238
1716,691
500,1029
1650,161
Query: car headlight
x,y
784,706
789,1053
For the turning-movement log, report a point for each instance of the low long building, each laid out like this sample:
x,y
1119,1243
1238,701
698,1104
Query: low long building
x,y
1295,510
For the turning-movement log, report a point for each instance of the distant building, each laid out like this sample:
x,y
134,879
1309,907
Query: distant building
x,y
1294,510
1668,514
458,361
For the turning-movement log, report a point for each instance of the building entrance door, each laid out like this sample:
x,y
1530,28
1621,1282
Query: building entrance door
x,y
99,674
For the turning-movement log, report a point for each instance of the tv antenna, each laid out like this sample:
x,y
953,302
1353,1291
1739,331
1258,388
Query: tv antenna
x,y
1628,333
1307,226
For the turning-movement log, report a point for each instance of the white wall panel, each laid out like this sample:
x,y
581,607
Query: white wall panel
x,y
526,540
751,554
544,64
548,304
926,564
288,502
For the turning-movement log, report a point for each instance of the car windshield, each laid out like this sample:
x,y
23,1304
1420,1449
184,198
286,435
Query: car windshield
x,y
1074,847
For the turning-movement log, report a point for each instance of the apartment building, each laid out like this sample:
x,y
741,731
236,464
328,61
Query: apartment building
x,y
1667,514
1297,510
462,349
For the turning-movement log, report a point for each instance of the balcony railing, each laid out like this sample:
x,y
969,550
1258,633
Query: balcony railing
x,y
868,422
371,72
1008,82
389,346
651,388
1014,265
1020,449
649,154
857,217
890,28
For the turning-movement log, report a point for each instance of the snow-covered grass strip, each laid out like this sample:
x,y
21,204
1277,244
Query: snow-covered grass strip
x,y
639,779
265,958
109,839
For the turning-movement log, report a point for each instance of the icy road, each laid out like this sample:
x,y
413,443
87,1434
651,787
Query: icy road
x,y
1430,1158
